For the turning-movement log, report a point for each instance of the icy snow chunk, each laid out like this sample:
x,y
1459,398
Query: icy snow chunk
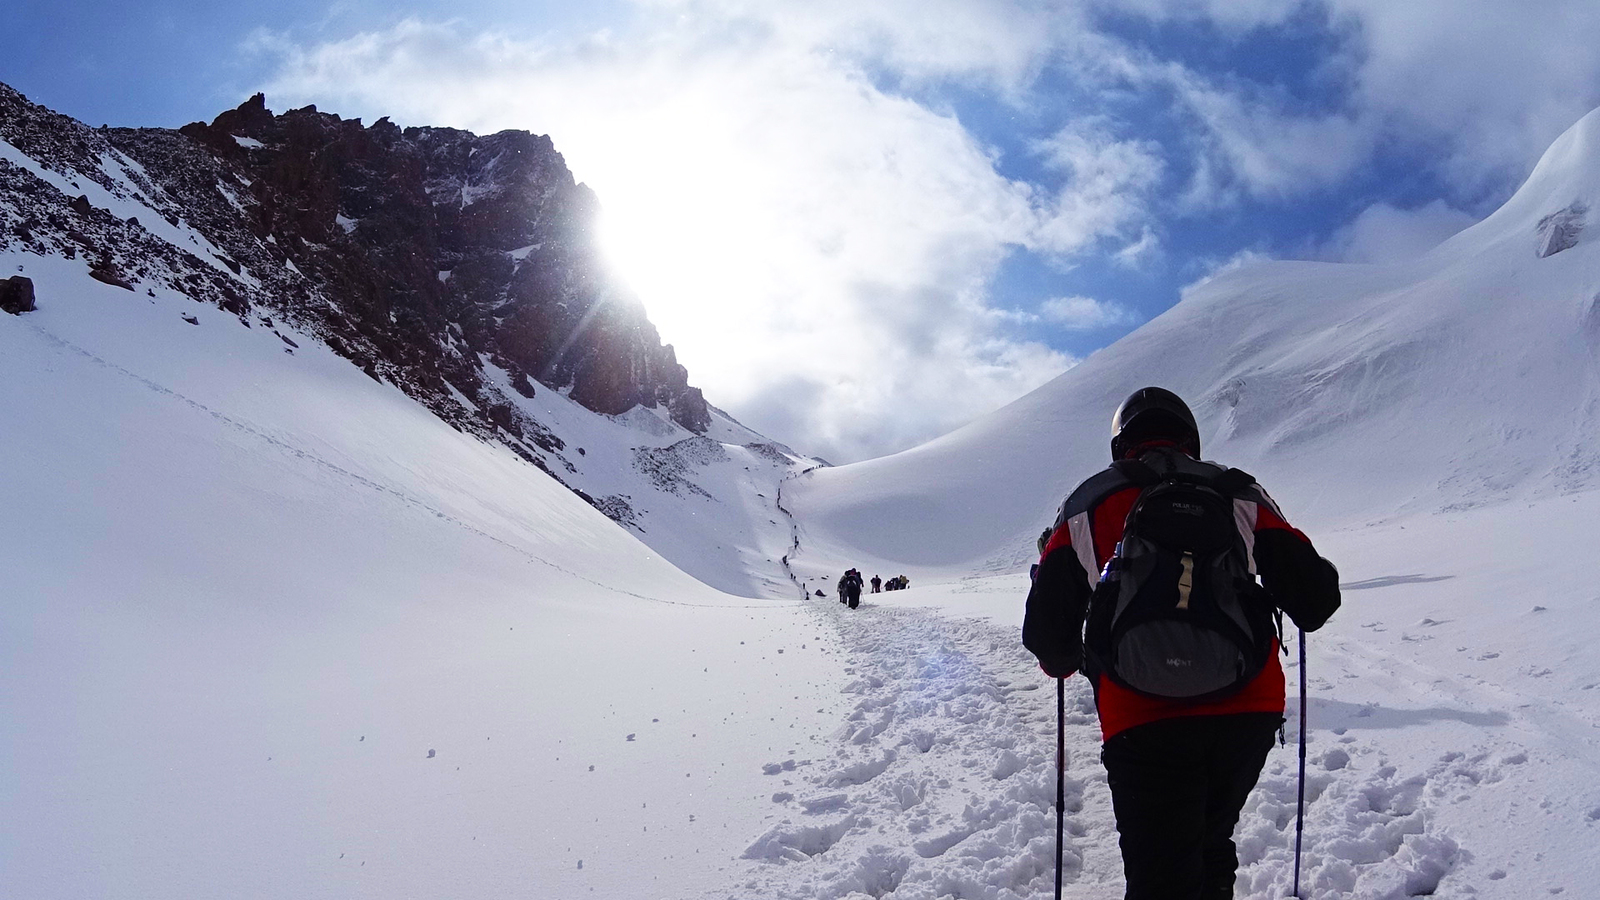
x,y
861,772
248,143
825,803
1006,766
798,843
345,222
1560,230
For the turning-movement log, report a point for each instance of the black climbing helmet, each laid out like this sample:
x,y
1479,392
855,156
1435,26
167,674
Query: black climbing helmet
x,y
1153,414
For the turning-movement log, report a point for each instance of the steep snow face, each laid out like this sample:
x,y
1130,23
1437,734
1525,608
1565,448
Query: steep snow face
x,y
1355,393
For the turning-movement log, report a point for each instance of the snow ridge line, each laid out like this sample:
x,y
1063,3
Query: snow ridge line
x,y
354,478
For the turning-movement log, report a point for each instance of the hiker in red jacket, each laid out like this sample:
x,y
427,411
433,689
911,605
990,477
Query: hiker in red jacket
x,y
1186,731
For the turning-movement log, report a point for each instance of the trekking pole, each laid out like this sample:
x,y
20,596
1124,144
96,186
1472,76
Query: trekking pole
x,y
1061,765
1300,810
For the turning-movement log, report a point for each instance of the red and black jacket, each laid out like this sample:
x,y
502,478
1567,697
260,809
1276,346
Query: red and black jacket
x,y
1087,529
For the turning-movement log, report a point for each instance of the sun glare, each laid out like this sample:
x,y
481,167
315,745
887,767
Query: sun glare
x,y
685,248
685,229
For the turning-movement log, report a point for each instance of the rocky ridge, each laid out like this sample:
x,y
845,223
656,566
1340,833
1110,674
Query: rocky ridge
x,y
455,266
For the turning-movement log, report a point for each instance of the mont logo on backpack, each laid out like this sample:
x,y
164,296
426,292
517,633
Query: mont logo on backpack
x,y
1177,613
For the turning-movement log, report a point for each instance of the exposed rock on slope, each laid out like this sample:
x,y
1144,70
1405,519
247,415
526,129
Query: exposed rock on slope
x,y
16,295
419,254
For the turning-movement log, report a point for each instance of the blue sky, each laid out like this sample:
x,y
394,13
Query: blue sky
x,y
863,224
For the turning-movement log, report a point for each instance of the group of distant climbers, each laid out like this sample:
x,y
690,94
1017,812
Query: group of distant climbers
x,y
850,585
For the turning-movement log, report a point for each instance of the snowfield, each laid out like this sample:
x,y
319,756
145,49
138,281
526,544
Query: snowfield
x,y
273,630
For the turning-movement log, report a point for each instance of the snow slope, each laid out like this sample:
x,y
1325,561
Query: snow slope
x,y
274,630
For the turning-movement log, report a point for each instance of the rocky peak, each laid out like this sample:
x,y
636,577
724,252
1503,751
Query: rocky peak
x,y
430,257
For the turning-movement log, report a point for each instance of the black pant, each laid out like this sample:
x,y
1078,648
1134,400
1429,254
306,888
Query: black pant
x,y
1177,786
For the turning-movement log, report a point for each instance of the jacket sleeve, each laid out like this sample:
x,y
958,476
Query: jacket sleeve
x,y
1302,584
1052,627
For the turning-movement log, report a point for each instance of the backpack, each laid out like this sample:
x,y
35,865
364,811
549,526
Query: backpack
x,y
1177,614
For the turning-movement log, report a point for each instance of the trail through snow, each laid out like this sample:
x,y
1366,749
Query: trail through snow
x,y
941,781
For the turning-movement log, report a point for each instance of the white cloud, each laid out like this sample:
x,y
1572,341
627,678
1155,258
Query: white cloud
x,y
1002,44
1386,234
1489,83
1086,313
766,183
1141,252
1481,86
1230,16
1253,144
1106,191
786,223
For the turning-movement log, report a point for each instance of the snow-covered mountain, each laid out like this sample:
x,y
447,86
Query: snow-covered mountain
x,y
1359,392
461,269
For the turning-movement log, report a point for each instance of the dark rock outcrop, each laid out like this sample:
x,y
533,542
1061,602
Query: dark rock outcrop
x,y
441,261
16,295
436,237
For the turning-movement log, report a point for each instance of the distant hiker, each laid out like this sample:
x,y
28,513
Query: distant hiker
x,y
1159,554
877,584
843,580
852,587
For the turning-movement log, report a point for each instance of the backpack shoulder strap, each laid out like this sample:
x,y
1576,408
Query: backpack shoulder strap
x,y
1232,482
1137,472
1098,487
